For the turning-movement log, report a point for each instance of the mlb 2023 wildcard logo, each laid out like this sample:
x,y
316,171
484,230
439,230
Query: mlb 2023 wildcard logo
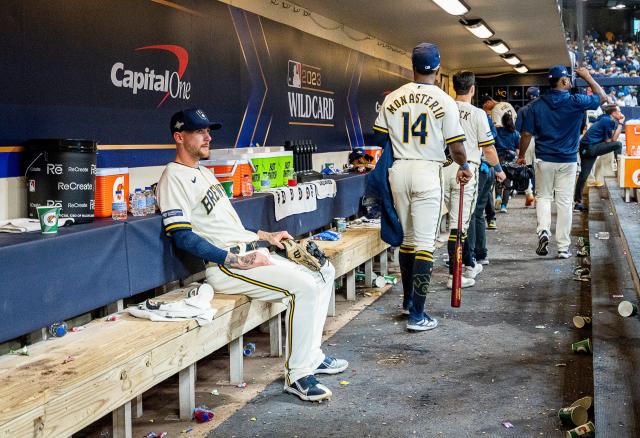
x,y
312,105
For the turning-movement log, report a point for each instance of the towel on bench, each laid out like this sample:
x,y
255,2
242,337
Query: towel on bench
x,y
196,306
19,225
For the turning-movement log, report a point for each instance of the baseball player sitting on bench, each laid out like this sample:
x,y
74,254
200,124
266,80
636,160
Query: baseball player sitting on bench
x,y
197,214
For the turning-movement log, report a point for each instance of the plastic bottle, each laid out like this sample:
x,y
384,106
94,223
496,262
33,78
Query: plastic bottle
x,y
249,349
58,329
138,203
119,207
150,197
247,187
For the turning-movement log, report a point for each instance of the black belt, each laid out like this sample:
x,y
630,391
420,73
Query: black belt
x,y
251,246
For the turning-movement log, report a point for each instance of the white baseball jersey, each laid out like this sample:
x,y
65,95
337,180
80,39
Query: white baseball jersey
x,y
421,120
194,199
476,130
499,110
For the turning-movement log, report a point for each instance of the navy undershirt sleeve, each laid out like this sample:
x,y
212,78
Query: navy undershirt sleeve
x,y
189,241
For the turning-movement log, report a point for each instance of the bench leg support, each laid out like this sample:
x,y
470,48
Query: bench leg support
x,y
384,266
121,419
351,285
275,335
137,407
332,301
235,361
115,307
396,258
187,392
368,272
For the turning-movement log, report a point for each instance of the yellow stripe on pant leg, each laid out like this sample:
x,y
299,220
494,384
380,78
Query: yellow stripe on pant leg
x,y
277,289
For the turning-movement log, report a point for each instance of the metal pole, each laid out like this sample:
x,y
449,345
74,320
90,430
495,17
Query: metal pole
x,y
580,28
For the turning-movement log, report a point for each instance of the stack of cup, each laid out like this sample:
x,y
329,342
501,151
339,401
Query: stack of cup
x,y
48,216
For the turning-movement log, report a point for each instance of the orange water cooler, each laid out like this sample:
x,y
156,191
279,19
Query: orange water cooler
x,y
632,137
230,170
108,182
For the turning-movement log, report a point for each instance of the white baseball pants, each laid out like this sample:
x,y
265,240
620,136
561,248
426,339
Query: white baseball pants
x,y
416,186
555,180
452,194
306,295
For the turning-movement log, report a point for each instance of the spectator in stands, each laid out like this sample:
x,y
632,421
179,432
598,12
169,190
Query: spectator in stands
x,y
600,139
198,216
507,143
620,98
631,98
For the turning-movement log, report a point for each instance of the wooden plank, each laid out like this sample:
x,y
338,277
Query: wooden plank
x,y
236,371
368,272
64,400
275,335
187,392
355,247
332,301
121,419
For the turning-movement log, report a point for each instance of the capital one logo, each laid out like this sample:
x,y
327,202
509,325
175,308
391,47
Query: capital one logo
x,y
168,82
635,177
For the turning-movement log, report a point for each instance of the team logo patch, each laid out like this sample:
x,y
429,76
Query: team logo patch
x,y
172,213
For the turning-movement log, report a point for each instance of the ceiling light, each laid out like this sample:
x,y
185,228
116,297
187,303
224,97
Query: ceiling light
x,y
478,27
497,46
511,59
453,7
521,68
620,6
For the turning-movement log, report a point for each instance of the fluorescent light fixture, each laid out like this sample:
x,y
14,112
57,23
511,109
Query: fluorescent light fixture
x,y
478,27
497,46
453,7
620,6
511,59
521,68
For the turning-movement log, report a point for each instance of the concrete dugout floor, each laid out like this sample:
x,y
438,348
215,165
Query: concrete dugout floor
x,y
505,355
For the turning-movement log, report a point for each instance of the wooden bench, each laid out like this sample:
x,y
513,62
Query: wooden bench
x,y
357,246
114,362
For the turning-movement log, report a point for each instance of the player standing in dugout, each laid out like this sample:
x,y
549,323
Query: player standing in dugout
x,y
420,120
479,140
555,120
199,217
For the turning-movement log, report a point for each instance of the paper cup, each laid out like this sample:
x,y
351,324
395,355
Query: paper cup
x,y
48,219
587,430
380,281
228,188
585,402
391,279
627,308
581,321
583,346
573,416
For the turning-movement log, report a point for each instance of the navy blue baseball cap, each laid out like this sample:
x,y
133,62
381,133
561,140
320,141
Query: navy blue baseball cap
x,y
558,71
192,119
425,57
533,92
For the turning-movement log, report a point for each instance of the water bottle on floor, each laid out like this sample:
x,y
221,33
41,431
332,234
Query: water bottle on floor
x,y
58,329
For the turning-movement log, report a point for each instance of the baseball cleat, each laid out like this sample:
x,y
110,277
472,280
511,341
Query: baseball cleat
x,y
331,365
482,261
498,202
503,209
491,225
564,254
405,312
543,242
466,282
427,323
309,389
470,272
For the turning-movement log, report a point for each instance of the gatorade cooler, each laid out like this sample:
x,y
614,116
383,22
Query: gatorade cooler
x,y
108,182
230,170
632,137
61,173
374,152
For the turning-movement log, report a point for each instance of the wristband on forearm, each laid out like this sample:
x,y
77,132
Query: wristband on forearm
x,y
497,168
464,166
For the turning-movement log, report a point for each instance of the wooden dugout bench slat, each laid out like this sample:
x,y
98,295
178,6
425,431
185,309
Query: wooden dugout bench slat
x,y
113,362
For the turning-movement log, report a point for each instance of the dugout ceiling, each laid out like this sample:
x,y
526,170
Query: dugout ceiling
x,y
532,28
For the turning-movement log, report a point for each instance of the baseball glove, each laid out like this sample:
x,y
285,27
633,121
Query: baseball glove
x,y
309,256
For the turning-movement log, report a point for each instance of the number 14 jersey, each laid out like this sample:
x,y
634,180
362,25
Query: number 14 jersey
x,y
421,121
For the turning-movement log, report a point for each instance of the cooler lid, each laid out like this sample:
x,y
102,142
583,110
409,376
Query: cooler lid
x,y
109,171
223,162
62,144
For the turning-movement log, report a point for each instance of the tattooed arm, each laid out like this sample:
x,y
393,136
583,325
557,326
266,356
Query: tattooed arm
x,y
249,260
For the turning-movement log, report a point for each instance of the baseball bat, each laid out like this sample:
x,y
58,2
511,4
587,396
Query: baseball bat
x,y
456,289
